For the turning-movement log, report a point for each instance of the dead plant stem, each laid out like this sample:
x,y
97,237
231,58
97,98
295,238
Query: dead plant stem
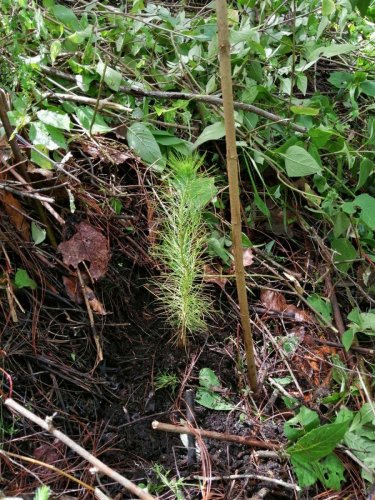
x,y
234,192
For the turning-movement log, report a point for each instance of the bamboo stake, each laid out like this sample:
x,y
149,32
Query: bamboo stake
x,y
234,192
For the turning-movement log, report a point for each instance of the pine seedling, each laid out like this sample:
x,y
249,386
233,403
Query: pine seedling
x,y
181,246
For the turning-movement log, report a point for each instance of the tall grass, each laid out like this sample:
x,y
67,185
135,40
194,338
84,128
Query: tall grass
x,y
181,246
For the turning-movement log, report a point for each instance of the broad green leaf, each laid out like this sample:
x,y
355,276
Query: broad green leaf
x,y
347,338
368,88
304,110
112,77
362,5
305,472
212,400
211,85
58,120
255,71
144,144
341,79
344,255
23,280
303,422
208,379
331,51
301,82
298,162
367,205
66,16
47,136
366,168
210,133
341,223
331,472
55,50
38,234
322,305
319,442
202,190
328,7
39,156
85,115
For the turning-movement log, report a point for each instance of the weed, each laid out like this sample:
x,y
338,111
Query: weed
x,y
165,380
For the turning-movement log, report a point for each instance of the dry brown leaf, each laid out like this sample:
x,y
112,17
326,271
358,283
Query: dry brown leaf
x,y
74,292
211,275
248,257
273,300
107,152
87,245
15,212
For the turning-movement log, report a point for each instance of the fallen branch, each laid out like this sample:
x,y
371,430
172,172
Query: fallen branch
x,y
220,436
98,464
101,104
265,479
136,90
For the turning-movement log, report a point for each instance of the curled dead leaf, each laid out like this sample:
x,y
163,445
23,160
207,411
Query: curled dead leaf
x,y
75,293
15,212
276,301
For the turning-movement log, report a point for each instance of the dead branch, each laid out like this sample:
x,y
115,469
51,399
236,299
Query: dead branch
x,y
219,436
98,464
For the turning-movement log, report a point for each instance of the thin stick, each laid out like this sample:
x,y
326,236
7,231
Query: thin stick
x,y
234,192
98,464
219,436
209,99
265,479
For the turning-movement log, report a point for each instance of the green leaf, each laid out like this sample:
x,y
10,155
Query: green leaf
x,y
319,442
362,5
303,422
328,7
344,255
213,401
55,50
304,110
202,190
331,51
47,136
85,115
38,234
208,378
112,77
144,144
331,472
23,280
368,88
367,205
341,79
322,305
116,204
298,162
42,493
301,82
347,338
39,156
66,16
305,472
58,120
210,133
366,168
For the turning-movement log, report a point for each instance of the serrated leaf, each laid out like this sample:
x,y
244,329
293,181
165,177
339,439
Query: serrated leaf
x,y
319,442
38,234
208,378
58,120
210,133
23,280
144,144
112,77
305,473
331,472
298,162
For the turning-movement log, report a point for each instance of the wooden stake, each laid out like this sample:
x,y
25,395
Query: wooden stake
x,y
234,192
